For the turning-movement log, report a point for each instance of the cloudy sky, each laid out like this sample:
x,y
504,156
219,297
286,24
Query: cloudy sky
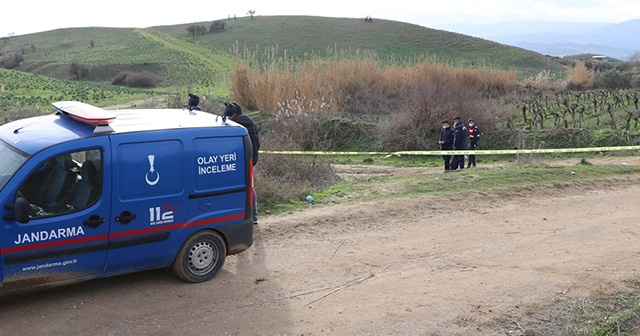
x,y
17,17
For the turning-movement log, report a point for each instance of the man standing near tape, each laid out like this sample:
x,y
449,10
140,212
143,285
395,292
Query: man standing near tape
x,y
233,111
446,143
459,143
474,136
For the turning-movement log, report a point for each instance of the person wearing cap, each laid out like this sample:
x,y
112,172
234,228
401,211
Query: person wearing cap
x,y
459,143
446,143
233,111
474,136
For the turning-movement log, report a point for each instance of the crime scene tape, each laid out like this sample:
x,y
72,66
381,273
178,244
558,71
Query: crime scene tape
x,y
463,152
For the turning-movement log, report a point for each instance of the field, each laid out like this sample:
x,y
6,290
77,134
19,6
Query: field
x,y
532,260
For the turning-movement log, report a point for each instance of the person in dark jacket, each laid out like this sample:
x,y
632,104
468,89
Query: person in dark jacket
x,y
233,111
459,143
474,137
446,143
193,103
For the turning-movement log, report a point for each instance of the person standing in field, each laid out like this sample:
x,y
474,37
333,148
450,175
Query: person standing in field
x,y
474,137
233,111
459,143
446,143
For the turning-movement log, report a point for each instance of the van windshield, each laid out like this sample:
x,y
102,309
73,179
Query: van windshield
x,y
10,161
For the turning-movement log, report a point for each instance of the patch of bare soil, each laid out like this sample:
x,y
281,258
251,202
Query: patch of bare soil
x,y
425,265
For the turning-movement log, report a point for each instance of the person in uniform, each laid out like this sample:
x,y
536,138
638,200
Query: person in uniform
x,y
459,143
474,137
446,143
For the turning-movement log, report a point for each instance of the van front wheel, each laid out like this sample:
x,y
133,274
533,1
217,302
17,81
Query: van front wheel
x,y
200,257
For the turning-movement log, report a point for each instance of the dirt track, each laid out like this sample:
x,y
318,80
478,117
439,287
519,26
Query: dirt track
x,y
416,266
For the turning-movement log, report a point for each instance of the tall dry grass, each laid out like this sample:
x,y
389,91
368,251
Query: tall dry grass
x,y
345,84
315,102
581,78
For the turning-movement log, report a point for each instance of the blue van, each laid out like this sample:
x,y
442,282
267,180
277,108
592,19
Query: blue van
x,y
90,193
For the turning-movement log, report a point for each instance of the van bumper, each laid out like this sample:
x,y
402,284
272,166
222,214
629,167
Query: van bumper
x,y
239,236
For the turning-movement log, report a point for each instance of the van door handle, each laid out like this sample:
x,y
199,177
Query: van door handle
x,y
125,217
94,221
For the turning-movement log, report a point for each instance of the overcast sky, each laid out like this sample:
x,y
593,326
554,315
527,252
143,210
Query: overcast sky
x,y
19,17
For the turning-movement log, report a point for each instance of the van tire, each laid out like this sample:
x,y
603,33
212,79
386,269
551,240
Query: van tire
x,y
200,257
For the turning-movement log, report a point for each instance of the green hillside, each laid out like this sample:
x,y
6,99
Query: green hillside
x,y
204,63
171,50
301,36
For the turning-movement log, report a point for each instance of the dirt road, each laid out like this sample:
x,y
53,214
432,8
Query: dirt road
x,y
410,266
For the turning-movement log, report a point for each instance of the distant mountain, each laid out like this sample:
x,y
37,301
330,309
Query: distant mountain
x,y
617,40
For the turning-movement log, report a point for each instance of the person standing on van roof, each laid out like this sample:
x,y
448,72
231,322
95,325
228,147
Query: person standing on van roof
x,y
474,136
446,143
233,111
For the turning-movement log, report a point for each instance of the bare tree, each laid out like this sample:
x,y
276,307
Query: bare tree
x,y
251,13
216,26
197,30
78,70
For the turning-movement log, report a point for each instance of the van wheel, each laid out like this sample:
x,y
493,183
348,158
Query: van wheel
x,y
200,257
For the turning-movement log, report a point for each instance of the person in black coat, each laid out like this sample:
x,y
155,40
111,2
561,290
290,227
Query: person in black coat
x,y
446,143
233,111
459,143
194,102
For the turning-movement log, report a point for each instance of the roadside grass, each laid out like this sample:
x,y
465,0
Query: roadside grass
x,y
598,314
374,181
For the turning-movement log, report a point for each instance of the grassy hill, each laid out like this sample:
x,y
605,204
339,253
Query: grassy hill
x,y
203,63
301,36
171,51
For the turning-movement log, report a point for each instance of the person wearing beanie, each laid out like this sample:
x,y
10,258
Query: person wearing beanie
x,y
233,111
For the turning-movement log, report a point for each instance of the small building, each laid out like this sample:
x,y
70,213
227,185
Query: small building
x,y
598,58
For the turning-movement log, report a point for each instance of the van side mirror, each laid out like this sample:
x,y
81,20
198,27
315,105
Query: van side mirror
x,y
21,209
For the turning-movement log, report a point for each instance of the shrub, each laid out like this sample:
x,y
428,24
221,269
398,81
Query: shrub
x,y
436,97
581,78
281,178
136,79
613,79
12,61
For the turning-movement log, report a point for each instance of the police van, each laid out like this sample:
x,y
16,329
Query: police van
x,y
90,193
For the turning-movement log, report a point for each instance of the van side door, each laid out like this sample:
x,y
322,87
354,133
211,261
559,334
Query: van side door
x,y
148,200
66,236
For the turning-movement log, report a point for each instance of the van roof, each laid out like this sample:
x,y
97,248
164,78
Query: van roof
x,y
33,134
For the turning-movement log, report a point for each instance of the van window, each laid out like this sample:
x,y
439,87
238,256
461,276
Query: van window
x,y
10,161
64,184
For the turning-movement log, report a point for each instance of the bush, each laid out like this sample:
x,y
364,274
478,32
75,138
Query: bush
x,y
281,178
613,79
12,61
136,79
418,124
321,132
581,78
